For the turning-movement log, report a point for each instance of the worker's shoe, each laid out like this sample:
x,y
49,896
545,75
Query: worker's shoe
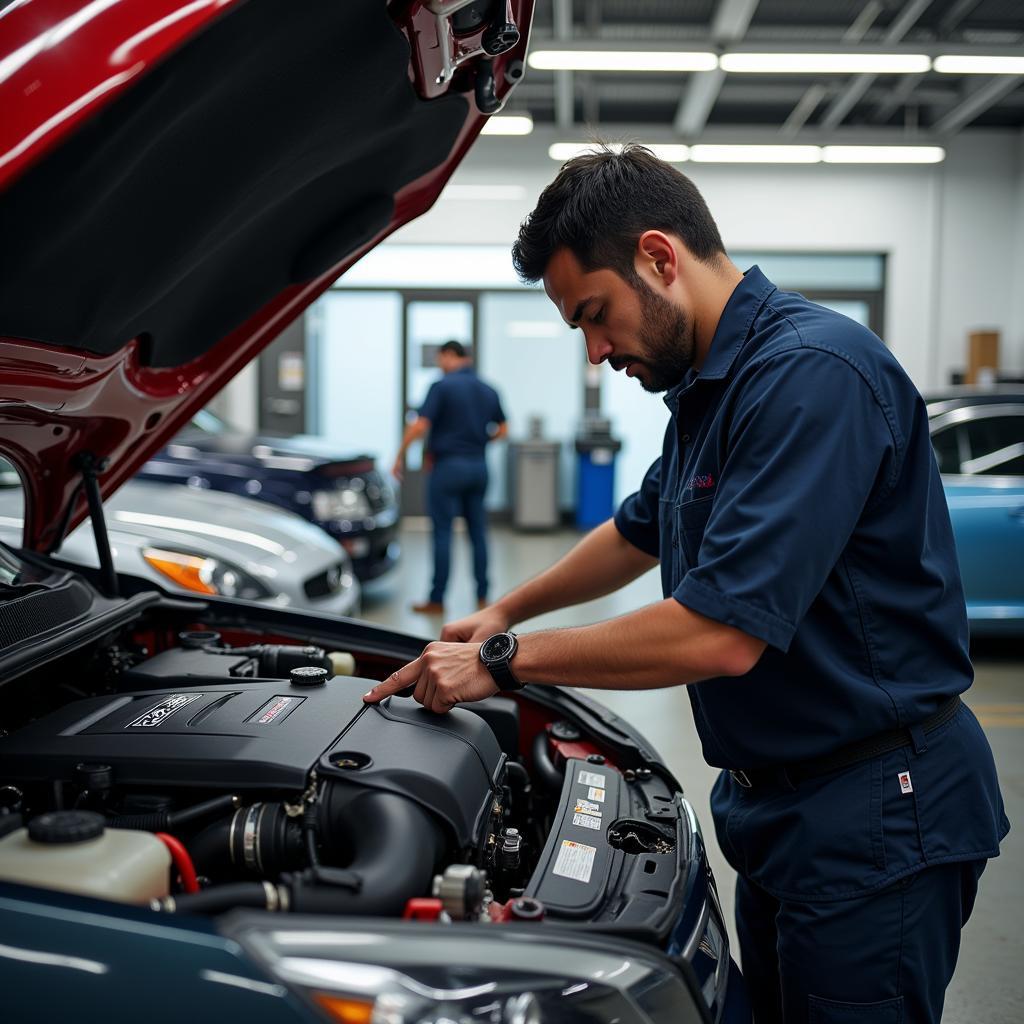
x,y
429,608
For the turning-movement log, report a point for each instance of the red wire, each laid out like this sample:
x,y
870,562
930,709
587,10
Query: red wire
x,y
182,861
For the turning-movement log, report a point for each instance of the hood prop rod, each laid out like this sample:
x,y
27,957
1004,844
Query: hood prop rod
x,y
90,467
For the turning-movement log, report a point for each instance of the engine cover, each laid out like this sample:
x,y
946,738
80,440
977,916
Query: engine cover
x,y
269,735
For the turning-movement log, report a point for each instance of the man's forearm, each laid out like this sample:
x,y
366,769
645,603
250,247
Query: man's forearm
x,y
600,563
664,644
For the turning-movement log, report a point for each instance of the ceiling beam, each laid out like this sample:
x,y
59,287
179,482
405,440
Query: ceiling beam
x,y
952,18
859,84
729,25
564,90
987,94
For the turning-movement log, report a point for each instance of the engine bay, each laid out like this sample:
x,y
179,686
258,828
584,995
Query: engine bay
x,y
196,771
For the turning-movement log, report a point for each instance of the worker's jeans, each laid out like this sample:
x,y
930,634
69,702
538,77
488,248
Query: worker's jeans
x,y
882,958
456,487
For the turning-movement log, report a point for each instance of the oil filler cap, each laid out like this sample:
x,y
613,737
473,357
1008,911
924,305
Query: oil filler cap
x,y
308,675
66,827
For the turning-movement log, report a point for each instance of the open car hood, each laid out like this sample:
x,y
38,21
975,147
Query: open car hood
x,y
180,179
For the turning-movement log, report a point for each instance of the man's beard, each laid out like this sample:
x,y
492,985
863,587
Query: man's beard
x,y
666,336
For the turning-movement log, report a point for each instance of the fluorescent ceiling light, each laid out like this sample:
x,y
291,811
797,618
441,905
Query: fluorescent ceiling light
x,y
621,60
883,154
705,154
961,64
563,151
508,124
825,63
670,152
486,192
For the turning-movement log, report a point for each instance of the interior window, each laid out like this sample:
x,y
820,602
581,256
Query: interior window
x,y
996,445
947,449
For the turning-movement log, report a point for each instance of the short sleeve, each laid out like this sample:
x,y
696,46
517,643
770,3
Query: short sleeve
x,y
808,449
637,517
432,403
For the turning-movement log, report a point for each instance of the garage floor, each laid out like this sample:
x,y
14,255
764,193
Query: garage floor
x,y
989,984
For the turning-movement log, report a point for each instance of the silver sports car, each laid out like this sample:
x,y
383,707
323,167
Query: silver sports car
x,y
208,542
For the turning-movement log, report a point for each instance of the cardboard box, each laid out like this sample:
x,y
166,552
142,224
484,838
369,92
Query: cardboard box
x,y
982,354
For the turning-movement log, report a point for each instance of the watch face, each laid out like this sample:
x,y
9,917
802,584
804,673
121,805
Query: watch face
x,y
498,647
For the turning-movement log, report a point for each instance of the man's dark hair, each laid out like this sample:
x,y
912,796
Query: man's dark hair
x,y
602,202
455,347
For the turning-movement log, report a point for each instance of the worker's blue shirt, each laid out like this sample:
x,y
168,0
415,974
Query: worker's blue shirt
x,y
797,499
462,410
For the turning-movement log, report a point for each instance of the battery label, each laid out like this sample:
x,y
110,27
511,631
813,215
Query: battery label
x,y
596,794
592,779
586,807
586,821
575,861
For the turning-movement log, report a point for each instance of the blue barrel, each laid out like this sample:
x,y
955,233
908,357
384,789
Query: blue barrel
x,y
595,480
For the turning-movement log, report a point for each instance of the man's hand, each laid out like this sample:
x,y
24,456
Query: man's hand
x,y
444,675
398,469
477,627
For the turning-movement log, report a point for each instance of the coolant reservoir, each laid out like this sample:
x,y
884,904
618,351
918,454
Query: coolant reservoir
x,y
73,851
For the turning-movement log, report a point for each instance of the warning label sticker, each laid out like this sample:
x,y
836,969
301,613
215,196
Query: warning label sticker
x,y
586,821
596,794
592,779
586,807
575,861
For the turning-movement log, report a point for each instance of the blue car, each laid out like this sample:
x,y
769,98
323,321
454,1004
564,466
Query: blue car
x,y
978,438
345,495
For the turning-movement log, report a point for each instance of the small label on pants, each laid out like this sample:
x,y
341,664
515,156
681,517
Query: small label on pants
x,y
905,784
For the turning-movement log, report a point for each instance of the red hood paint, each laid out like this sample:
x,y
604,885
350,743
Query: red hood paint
x,y
61,62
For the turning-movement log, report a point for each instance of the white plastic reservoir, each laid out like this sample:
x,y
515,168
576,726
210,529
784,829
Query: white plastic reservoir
x,y
109,863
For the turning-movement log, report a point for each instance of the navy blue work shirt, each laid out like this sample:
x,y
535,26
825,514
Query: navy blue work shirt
x,y
797,499
461,409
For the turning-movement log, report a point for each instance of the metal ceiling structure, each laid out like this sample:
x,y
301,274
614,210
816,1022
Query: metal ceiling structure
x,y
785,108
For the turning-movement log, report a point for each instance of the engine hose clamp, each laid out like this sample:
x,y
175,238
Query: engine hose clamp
x,y
250,837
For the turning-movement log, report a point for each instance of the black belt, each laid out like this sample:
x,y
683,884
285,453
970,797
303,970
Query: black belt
x,y
854,753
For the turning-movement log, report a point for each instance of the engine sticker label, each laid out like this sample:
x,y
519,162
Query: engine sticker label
x,y
586,807
575,861
159,713
275,710
596,794
592,779
586,821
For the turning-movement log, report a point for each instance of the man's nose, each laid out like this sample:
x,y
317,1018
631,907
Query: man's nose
x,y
598,348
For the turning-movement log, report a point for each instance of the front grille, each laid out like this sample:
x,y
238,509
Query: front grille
x,y
325,584
378,493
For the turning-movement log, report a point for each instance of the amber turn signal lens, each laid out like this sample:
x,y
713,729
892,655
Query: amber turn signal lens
x,y
344,1010
185,570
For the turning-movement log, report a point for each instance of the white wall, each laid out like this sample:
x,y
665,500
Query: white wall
x,y
947,230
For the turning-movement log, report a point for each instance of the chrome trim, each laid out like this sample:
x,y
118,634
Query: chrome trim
x,y
966,413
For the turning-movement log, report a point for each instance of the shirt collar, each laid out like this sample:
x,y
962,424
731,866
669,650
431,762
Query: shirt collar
x,y
732,331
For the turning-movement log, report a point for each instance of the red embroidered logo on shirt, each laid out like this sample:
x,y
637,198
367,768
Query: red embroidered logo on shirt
x,y
701,482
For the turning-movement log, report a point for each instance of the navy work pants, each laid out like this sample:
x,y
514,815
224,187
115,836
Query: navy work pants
x,y
456,487
882,958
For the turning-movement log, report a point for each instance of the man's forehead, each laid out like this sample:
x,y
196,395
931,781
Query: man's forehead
x,y
564,281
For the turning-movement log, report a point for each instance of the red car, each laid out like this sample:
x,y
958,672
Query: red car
x,y
199,817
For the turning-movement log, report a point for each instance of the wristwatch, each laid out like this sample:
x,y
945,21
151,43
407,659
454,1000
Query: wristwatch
x,y
496,652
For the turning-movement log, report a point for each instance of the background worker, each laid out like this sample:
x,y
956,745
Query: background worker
x,y
460,415
812,599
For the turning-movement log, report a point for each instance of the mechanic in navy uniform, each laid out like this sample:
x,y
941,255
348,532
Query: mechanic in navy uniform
x,y
813,601
461,414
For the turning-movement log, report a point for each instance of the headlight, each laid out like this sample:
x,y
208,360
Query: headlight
x,y
344,503
471,974
206,575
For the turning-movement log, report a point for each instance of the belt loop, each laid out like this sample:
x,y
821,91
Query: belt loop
x,y
917,738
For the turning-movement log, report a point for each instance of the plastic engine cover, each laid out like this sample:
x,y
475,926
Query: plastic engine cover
x,y
269,735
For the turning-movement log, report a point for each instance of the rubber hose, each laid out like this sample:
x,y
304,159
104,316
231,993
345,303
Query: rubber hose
x,y
549,774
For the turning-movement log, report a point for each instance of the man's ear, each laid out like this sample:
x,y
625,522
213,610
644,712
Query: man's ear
x,y
657,255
